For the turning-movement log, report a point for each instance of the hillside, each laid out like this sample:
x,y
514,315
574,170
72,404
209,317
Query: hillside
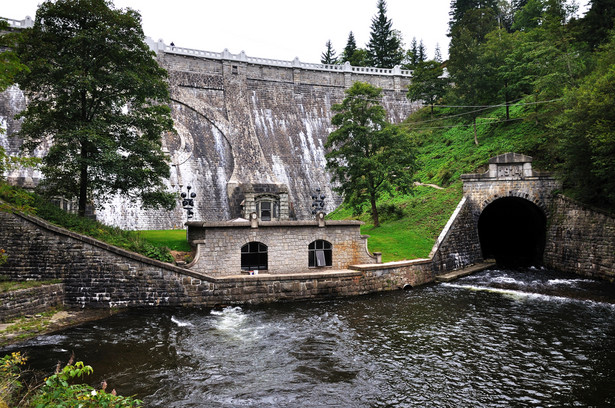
x,y
446,149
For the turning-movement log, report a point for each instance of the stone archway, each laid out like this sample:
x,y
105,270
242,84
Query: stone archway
x,y
513,231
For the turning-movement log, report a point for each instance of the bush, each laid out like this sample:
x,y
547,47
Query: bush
x,y
62,389
57,391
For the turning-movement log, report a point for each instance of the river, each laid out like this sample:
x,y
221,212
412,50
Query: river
x,y
499,338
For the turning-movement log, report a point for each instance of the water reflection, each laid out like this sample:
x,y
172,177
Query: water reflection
x,y
499,338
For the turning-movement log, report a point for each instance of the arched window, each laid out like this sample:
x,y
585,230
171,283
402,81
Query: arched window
x,y
254,256
320,254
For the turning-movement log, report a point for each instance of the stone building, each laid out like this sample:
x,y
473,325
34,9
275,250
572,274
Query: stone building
x,y
277,247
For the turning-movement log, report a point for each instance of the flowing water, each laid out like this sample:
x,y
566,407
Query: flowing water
x,y
499,338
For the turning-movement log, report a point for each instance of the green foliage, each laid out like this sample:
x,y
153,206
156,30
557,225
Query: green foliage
x,y
367,156
8,286
96,90
3,256
357,57
61,390
10,384
10,65
428,83
587,133
16,197
384,47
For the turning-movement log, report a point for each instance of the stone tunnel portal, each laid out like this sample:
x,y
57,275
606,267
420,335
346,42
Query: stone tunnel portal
x,y
513,231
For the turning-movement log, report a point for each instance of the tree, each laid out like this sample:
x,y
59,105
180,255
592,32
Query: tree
x,y
357,57
367,155
597,22
437,54
96,91
384,46
428,83
586,131
328,57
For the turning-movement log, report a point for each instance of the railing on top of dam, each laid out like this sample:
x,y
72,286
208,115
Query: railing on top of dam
x,y
160,46
25,23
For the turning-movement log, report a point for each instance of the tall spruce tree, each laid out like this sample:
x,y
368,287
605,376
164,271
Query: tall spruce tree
x,y
95,89
384,47
328,57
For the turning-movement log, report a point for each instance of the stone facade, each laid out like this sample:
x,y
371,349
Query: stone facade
x,y
219,244
240,121
30,301
509,175
580,240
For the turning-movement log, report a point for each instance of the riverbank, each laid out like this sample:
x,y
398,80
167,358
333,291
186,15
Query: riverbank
x,y
53,320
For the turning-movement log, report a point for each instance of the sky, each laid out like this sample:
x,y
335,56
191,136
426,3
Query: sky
x,y
275,29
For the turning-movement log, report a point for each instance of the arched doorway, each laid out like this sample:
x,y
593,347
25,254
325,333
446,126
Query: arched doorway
x,y
513,231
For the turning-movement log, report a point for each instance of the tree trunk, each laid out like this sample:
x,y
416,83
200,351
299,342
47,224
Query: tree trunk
x,y
372,200
83,182
475,138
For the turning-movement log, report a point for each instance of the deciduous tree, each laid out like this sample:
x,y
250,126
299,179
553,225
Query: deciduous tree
x,y
95,89
428,83
367,155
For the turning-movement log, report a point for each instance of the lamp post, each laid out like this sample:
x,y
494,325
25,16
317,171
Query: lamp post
x,y
318,202
188,201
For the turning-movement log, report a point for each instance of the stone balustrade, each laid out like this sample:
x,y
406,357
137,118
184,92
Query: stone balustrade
x,y
225,55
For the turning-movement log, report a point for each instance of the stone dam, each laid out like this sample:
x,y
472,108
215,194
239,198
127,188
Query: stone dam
x,y
243,126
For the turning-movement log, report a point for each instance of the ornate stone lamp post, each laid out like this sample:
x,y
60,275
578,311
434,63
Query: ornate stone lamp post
x,y
318,202
188,201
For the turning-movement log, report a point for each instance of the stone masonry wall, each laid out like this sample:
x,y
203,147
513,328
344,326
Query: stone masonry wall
x,y
98,275
458,245
580,240
94,274
219,245
30,301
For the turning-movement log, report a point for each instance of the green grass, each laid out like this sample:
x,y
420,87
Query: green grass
x,y
8,286
175,240
411,233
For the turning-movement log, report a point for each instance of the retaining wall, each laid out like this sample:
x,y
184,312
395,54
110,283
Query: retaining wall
x,y
30,301
96,274
580,240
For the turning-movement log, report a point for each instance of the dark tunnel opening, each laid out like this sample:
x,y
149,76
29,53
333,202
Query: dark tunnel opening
x,y
513,231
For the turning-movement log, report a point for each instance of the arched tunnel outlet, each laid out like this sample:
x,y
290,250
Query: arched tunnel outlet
x,y
513,231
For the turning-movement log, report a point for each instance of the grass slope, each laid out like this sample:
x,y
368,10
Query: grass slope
x,y
446,149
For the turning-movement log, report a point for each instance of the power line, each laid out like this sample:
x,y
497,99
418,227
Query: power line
x,y
469,124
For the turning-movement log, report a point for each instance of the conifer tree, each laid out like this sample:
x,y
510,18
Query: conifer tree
x,y
328,57
437,54
384,47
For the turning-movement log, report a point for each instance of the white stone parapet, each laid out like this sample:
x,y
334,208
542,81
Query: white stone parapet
x,y
160,46
25,23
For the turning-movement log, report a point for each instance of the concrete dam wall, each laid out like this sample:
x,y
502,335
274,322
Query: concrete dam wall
x,y
242,125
